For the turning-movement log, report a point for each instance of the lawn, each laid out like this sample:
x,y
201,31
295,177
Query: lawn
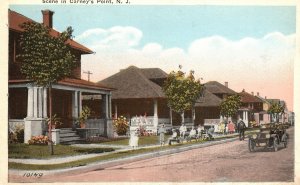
x,y
25,151
143,140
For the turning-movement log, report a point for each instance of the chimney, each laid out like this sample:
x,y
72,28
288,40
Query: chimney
x,y
265,97
257,93
226,84
252,93
47,18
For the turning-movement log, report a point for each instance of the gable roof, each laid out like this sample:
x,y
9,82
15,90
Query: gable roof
x,y
209,100
154,73
15,20
248,98
132,83
218,88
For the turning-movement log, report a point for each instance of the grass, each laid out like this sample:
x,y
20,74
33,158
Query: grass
x,y
117,155
25,151
84,162
144,140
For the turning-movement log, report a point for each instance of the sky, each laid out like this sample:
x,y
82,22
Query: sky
x,y
251,47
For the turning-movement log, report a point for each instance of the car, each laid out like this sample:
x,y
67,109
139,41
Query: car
x,y
270,135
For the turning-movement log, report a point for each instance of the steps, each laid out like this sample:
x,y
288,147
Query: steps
x,y
69,136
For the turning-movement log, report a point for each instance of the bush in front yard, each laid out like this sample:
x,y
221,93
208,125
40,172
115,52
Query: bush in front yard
x,y
121,125
38,140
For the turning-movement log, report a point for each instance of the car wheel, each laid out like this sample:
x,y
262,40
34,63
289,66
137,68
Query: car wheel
x,y
275,144
251,145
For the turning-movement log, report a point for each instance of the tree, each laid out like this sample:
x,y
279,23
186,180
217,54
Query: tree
x,y
230,105
275,109
182,91
45,59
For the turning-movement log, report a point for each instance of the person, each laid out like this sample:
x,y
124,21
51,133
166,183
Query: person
x,y
162,131
241,129
230,127
182,130
199,130
210,132
173,137
134,139
193,133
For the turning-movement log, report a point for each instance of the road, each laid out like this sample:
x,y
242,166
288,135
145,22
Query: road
x,y
229,162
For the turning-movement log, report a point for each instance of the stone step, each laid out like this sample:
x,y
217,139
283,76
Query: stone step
x,y
67,134
64,139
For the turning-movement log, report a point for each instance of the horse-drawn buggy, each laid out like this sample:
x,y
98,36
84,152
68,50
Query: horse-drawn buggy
x,y
270,135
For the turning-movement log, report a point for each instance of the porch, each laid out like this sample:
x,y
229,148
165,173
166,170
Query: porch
x,y
29,106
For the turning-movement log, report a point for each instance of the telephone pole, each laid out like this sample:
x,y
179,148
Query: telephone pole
x,y
88,73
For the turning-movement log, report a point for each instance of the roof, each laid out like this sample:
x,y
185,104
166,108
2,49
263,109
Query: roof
x,y
218,88
248,98
133,83
71,82
154,73
209,100
263,99
15,20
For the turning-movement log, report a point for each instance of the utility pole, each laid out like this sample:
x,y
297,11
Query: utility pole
x,y
88,73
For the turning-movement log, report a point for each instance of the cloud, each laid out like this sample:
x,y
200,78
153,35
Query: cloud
x,y
256,64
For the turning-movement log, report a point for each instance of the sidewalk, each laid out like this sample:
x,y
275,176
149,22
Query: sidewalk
x,y
58,160
109,163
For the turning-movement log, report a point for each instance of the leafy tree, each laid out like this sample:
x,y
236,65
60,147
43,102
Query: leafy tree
x,y
181,90
276,109
230,105
45,59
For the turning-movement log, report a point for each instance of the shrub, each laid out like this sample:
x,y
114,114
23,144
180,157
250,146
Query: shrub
x,y
16,134
38,140
121,125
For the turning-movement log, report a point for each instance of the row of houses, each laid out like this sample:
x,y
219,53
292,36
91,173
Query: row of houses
x,y
135,93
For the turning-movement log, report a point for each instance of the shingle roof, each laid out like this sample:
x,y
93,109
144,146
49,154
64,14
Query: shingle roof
x,y
209,100
154,73
248,98
218,88
15,20
132,83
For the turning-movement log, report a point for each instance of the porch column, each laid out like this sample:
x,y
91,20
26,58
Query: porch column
x,y
116,111
193,115
40,102
30,103
45,113
79,102
171,117
109,106
105,106
155,116
75,104
35,102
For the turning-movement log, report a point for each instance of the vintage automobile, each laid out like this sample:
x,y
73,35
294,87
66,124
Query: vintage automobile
x,y
270,135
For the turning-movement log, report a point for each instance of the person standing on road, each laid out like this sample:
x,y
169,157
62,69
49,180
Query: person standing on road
x,y
241,129
162,131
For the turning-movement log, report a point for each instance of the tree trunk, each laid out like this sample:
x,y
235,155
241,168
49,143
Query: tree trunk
x,y
182,117
50,143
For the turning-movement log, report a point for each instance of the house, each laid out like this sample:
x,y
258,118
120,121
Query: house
x,y
139,97
28,103
217,92
251,108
